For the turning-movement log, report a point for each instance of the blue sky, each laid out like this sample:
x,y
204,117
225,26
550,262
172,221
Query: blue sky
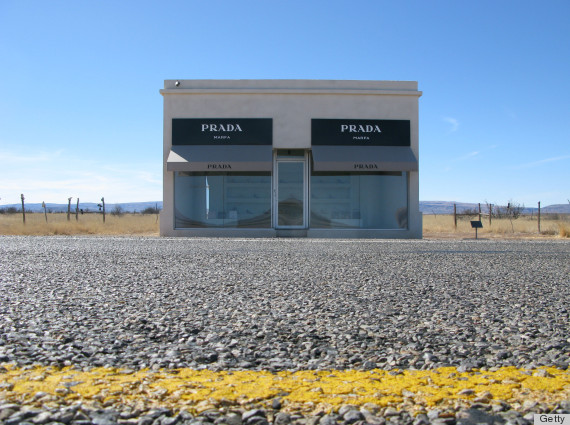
x,y
81,115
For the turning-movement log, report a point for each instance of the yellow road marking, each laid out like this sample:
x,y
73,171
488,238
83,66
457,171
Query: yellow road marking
x,y
303,390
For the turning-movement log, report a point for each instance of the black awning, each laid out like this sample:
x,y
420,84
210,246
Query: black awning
x,y
220,158
364,158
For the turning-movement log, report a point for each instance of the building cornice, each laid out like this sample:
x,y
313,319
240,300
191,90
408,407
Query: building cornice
x,y
291,91
294,87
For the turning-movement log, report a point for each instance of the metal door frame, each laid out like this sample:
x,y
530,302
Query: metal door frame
x,y
305,162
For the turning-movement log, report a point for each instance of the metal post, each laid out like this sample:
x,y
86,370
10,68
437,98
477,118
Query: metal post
x,y
479,211
103,202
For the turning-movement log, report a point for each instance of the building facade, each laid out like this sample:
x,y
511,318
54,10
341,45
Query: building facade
x,y
277,158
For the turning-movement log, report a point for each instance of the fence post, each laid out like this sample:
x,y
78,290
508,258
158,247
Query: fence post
x,y
23,208
68,208
479,211
538,216
490,213
45,210
77,211
455,215
103,202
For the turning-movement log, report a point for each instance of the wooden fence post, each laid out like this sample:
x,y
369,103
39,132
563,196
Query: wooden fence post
x,y
68,208
23,208
490,213
77,211
455,215
45,210
538,216
479,211
103,202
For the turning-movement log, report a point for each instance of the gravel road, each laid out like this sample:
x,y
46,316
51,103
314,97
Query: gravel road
x,y
283,303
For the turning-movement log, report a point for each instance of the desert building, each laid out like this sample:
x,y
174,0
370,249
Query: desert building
x,y
272,158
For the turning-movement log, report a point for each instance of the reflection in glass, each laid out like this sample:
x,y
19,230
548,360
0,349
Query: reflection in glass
x,y
359,200
290,193
222,200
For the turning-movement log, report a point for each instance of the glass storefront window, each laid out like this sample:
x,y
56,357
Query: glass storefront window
x,y
222,200
359,200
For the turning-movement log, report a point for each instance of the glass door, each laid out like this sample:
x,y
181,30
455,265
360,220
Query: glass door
x,y
291,193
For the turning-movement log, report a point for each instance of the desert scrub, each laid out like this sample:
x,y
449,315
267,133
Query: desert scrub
x,y
87,224
525,226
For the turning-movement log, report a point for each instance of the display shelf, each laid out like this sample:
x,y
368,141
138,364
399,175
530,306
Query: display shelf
x,y
337,201
247,200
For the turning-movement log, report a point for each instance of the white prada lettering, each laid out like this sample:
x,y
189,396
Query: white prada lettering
x,y
353,128
365,166
219,167
221,127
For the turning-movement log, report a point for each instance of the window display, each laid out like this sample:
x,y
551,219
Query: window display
x,y
222,200
359,201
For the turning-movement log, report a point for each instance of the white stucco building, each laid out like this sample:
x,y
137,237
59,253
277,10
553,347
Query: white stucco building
x,y
316,158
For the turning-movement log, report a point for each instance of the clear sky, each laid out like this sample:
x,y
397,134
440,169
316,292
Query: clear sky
x,y
81,113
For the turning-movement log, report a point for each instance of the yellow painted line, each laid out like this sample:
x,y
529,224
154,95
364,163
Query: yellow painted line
x,y
299,391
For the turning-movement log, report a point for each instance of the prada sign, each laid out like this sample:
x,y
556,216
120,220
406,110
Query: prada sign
x,y
222,131
350,132
219,166
367,166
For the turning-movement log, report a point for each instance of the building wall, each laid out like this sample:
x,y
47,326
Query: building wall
x,y
291,104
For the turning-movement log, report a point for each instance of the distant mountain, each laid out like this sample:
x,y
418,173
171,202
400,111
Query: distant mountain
x,y
446,207
426,207
556,208
87,207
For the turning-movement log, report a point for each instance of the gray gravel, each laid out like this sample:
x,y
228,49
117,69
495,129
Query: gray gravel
x,y
283,304
347,415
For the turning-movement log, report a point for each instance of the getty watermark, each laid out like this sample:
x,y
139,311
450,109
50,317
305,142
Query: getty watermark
x,y
552,419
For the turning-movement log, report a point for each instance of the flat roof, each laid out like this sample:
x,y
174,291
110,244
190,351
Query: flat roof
x,y
291,86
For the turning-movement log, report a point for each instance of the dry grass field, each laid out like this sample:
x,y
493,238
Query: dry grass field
x,y
442,226
87,224
434,226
